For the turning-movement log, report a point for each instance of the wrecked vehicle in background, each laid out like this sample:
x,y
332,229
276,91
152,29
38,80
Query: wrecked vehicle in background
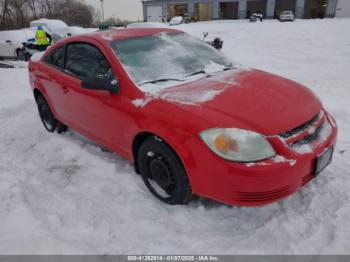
x,y
11,42
19,43
58,29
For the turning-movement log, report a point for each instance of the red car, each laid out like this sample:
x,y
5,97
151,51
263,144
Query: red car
x,y
190,120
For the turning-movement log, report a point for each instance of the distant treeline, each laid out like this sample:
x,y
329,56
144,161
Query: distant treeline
x,y
15,14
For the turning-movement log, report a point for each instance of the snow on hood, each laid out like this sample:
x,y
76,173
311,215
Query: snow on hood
x,y
253,98
202,87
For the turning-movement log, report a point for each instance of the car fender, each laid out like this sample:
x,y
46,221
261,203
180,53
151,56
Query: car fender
x,y
37,85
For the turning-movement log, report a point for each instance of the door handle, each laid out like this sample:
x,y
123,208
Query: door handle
x,y
65,89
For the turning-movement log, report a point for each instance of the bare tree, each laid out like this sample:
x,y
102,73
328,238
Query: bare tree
x,y
6,15
18,13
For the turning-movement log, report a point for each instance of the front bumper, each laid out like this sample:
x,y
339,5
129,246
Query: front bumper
x,y
253,184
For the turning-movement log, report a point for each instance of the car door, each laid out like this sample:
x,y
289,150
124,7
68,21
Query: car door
x,y
95,113
52,80
7,48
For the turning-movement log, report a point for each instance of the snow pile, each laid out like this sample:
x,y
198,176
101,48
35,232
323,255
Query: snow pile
x,y
37,56
62,194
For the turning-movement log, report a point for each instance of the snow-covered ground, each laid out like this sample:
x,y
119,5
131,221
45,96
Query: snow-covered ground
x,y
61,194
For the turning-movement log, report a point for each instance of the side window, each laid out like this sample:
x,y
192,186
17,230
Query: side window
x,y
85,60
56,57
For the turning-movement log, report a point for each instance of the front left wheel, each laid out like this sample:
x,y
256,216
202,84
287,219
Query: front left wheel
x,y
47,117
163,172
22,55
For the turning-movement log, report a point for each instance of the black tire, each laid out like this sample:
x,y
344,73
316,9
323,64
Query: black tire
x,y
61,128
21,55
163,172
46,115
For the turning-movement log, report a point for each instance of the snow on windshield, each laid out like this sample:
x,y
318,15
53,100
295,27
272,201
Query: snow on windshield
x,y
167,57
161,61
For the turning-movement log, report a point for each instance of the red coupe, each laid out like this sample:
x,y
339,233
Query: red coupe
x,y
190,120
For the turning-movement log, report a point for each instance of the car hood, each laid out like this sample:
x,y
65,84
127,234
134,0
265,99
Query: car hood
x,y
250,99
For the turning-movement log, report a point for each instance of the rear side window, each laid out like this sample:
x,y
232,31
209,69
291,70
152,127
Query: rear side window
x,y
84,60
56,58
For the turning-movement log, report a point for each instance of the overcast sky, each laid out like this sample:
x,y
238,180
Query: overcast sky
x,y
124,9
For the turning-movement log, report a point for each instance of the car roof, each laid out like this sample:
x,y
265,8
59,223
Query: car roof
x,y
113,34
122,34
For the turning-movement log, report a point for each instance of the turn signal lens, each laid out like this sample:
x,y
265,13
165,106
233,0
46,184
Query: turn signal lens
x,y
223,143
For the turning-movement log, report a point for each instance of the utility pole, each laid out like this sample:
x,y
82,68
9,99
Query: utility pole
x,y
103,13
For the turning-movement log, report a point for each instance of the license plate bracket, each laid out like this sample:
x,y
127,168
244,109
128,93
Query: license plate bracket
x,y
323,161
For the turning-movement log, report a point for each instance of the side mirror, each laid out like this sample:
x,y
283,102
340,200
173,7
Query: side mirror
x,y
100,83
205,34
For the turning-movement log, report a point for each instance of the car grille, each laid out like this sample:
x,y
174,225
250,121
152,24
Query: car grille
x,y
307,139
301,127
306,179
263,196
305,133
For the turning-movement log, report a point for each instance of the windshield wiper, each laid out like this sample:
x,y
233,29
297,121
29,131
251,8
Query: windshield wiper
x,y
203,71
228,68
197,73
160,80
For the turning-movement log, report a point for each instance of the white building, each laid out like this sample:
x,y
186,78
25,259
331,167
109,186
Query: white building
x,y
161,10
343,9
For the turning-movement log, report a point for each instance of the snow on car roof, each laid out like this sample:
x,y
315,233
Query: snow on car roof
x,y
147,25
52,24
17,36
121,34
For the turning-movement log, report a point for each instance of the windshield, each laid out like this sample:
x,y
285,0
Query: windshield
x,y
167,57
287,13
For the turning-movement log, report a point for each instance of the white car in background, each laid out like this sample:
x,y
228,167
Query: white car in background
x,y
176,20
286,16
11,41
58,29
147,25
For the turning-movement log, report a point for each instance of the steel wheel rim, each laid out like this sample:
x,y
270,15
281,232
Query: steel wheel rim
x,y
160,178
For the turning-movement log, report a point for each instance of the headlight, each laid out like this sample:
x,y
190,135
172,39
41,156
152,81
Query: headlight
x,y
237,144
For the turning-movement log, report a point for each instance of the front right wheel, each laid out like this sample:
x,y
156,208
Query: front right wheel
x,y
163,172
